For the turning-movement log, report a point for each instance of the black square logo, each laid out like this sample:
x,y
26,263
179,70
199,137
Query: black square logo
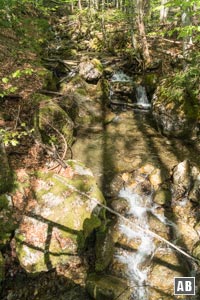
x,y
184,286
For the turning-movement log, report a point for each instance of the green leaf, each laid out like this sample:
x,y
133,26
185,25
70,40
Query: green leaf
x,y
5,80
16,74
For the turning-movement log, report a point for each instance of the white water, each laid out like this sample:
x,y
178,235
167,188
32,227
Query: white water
x,y
120,77
141,97
139,207
138,262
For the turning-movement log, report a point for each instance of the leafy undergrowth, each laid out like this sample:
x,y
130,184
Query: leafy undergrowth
x,y
22,40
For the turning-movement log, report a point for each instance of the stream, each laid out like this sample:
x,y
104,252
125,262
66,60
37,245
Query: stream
x,y
122,146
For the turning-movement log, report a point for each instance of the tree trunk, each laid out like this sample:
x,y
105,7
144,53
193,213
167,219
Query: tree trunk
x,y
187,39
163,11
141,30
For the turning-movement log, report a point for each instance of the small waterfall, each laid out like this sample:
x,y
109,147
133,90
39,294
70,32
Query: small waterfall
x,y
138,262
141,97
120,76
139,207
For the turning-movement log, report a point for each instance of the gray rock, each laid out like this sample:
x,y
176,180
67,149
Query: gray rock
x,y
91,71
181,175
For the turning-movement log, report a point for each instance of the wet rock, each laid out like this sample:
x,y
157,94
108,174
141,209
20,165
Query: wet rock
x,y
156,178
166,266
106,287
2,267
120,205
158,227
185,232
52,118
91,71
146,169
59,217
162,196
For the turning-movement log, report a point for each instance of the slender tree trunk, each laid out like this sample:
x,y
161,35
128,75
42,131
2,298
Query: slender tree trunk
x,y
141,30
79,4
187,39
163,11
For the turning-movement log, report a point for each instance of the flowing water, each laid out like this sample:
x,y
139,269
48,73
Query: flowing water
x,y
141,97
126,143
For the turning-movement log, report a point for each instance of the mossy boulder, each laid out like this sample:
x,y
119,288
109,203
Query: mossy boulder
x,y
7,221
52,122
107,287
176,106
60,217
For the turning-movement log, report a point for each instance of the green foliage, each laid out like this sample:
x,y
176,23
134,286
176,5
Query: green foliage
x,y
12,137
8,86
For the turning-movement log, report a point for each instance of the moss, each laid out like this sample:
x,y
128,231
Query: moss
x,y
106,287
104,250
97,64
2,267
7,222
90,224
52,118
4,203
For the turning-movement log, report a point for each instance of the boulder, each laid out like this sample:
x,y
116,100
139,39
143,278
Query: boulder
x,y
176,107
52,119
91,71
59,217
